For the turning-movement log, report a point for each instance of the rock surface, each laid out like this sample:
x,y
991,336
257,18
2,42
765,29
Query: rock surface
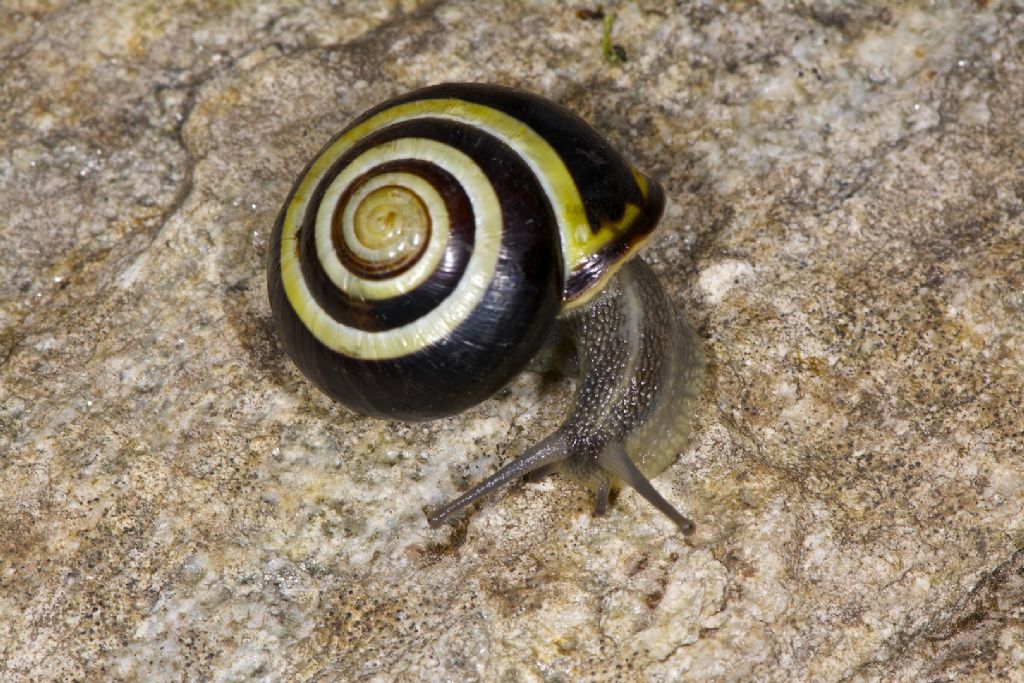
x,y
846,231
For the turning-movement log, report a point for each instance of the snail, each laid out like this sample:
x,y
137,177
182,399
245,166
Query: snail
x,y
451,237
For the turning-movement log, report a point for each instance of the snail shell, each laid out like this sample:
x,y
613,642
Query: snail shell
x,y
444,239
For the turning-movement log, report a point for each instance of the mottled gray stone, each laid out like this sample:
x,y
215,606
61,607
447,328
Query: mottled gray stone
x,y
846,229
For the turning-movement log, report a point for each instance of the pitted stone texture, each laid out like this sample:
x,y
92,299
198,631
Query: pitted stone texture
x,y
846,228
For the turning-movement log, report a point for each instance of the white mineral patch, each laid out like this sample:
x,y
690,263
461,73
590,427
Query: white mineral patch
x,y
716,280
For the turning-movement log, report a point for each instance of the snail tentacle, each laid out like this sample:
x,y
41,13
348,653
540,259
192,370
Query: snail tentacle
x,y
542,472
548,451
604,489
615,460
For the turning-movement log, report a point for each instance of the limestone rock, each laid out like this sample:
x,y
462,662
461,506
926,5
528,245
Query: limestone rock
x,y
846,229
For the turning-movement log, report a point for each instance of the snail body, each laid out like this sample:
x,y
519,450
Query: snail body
x,y
450,236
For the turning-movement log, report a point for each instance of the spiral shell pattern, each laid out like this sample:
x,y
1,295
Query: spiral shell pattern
x,y
424,254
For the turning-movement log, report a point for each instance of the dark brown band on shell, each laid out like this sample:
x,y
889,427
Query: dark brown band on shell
x,y
361,267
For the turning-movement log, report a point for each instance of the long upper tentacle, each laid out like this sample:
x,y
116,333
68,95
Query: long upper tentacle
x,y
615,460
550,450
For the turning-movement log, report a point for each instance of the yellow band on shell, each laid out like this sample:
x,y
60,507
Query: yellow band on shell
x,y
434,325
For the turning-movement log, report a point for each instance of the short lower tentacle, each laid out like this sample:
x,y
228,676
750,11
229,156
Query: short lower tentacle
x,y
543,471
601,497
